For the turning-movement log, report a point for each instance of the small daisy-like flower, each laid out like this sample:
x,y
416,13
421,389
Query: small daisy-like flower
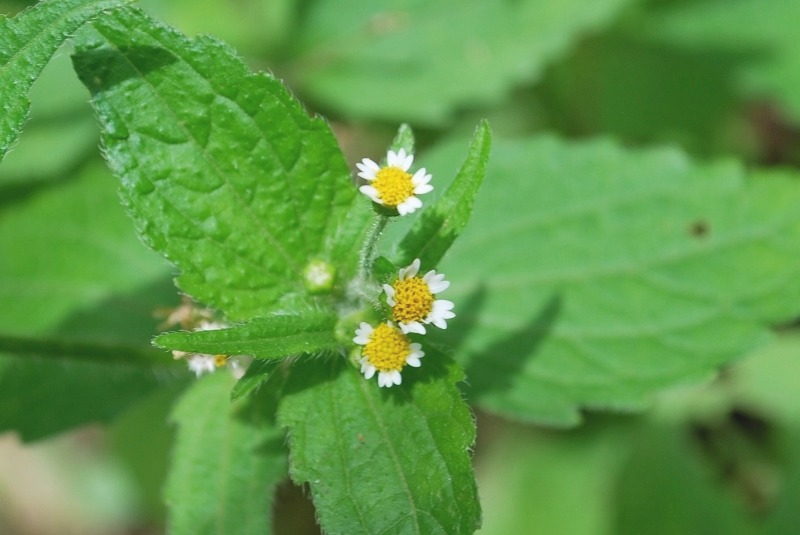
x,y
393,185
200,363
386,350
413,299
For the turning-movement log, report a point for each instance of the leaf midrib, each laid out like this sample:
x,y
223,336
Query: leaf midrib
x,y
381,425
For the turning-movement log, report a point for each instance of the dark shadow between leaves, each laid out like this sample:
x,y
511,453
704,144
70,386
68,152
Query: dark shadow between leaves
x,y
18,192
103,68
105,379
123,317
434,368
494,368
308,371
259,410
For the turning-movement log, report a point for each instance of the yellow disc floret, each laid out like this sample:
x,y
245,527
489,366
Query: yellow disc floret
x,y
413,300
393,185
220,360
387,349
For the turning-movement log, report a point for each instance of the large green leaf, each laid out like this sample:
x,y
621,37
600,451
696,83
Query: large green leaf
x,y
382,461
591,276
26,44
270,337
422,60
222,170
764,29
77,286
226,462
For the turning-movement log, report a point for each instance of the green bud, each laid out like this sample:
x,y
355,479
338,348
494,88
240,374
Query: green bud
x,y
319,276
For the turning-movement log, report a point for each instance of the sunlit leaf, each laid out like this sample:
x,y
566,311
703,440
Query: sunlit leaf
x,y
222,170
421,61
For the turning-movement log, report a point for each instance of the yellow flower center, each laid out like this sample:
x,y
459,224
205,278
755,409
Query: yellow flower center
x,y
413,300
387,348
220,360
394,185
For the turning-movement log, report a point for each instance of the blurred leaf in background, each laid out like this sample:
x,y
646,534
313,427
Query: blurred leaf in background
x,y
762,29
73,272
587,285
720,458
421,61
61,126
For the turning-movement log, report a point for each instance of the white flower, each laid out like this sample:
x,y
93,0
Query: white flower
x,y
238,365
386,351
393,185
413,299
201,363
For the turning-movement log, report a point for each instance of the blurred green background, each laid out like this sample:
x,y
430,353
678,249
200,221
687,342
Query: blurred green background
x,y
718,79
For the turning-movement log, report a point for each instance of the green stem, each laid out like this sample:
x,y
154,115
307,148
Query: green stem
x,y
368,252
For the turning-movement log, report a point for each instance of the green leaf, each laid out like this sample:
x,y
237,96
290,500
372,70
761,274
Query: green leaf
x,y
382,461
440,224
258,372
404,139
61,125
377,60
26,44
625,85
221,169
765,30
77,285
765,381
597,275
58,349
40,397
66,248
722,455
666,487
141,440
226,462
270,337
712,458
